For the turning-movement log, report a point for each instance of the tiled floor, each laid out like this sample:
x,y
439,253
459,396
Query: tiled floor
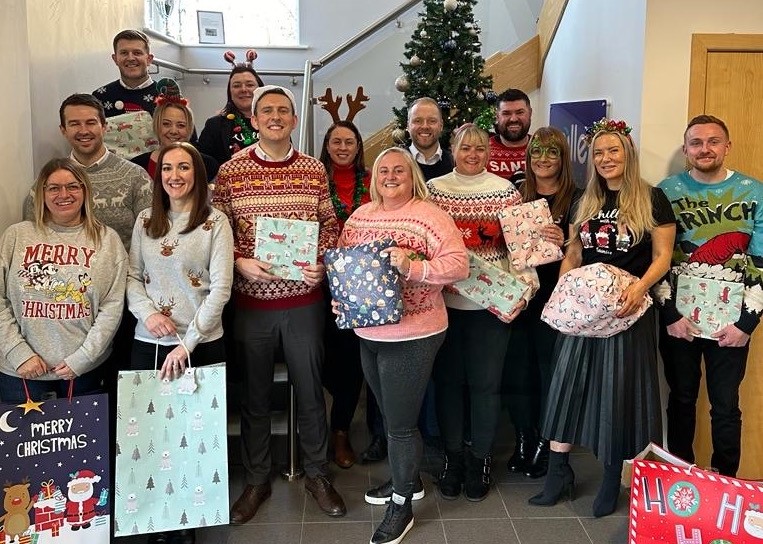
x,y
291,517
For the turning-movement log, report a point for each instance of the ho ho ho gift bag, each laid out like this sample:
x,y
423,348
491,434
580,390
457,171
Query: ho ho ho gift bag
x,y
171,452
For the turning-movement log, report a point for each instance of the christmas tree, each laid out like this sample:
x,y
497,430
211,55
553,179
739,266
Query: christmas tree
x,y
214,403
216,477
202,448
150,483
183,442
184,409
444,63
136,380
135,454
150,409
184,483
184,519
169,490
169,414
150,447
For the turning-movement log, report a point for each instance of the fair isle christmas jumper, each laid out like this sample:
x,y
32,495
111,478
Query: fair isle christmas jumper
x,y
186,277
118,99
295,188
474,202
507,162
121,190
719,236
61,297
438,258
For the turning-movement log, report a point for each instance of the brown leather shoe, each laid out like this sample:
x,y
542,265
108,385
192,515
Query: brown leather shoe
x,y
344,457
326,496
249,502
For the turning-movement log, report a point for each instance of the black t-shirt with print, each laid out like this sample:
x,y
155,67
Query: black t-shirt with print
x,y
603,244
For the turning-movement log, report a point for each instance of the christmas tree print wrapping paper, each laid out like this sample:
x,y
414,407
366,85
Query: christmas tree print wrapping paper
x,y
171,451
288,244
709,304
365,285
689,505
55,469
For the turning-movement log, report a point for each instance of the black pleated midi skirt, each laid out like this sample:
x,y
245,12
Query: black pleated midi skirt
x,y
605,392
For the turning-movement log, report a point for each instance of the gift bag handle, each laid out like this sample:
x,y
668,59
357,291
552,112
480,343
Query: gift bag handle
x,y
69,395
156,354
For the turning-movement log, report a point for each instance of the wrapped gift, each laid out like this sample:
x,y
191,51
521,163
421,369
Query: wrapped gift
x,y
288,244
709,304
494,289
130,134
688,505
49,508
364,284
586,300
521,226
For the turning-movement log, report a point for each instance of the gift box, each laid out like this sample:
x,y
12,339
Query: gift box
x,y
709,304
49,510
130,134
652,452
364,284
586,300
521,226
492,288
288,244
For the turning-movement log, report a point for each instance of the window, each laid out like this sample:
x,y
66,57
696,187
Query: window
x,y
247,22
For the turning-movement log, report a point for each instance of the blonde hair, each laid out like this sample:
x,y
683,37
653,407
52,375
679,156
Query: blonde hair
x,y
93,227
158,117
469,133
420,190
634,199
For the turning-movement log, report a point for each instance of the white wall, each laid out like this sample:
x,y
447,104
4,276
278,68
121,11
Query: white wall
x,y
597,53
15,148
669,26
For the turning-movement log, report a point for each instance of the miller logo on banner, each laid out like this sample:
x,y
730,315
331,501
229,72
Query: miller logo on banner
x,y
572,118
692,506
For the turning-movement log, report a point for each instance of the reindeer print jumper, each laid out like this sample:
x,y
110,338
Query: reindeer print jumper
x,y
121,190
187,277
719,236
61,297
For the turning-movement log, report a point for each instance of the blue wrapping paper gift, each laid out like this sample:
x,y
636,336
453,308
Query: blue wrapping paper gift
x,y
364,284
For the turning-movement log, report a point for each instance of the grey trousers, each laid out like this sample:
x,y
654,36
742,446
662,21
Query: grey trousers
x,y
299,331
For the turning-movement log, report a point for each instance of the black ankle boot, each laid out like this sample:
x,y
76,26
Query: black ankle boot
x,y
452,477
538,465
477,481
606,499
560,480
524,447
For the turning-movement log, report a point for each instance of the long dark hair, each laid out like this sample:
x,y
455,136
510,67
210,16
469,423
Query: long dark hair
x,y
230,107
550,136
159,223
359,163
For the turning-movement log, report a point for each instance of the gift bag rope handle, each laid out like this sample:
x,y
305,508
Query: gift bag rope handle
x,y
68,396
156,354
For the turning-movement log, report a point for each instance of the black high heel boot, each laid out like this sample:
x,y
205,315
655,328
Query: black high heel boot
x,y
606,499
538,465
560,481
524,447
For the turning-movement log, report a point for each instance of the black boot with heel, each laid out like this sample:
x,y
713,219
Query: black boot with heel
x,y
606,499
560,481
524,447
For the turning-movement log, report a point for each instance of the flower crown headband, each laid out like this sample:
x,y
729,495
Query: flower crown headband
x,y
607,125
251,55
169,93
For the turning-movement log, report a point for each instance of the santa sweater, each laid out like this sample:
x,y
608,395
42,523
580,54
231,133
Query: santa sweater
x,y
719,236
474,202
295,188
62,297
187,277
439,258
507,162
118,99
121,190
343,178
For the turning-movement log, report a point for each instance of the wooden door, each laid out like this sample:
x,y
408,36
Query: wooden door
x,y
727,81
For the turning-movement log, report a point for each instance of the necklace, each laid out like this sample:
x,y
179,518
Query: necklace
x,y
243,133
357,195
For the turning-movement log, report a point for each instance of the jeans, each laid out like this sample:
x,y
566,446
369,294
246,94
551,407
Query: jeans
x,y
12,388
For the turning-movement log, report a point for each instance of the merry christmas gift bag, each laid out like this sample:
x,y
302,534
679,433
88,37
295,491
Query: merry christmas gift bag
x,y
288,244
521,226
171,451
55,467
364,284
689,505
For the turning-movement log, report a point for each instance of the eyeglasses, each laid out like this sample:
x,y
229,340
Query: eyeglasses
x,y
70,188
536,152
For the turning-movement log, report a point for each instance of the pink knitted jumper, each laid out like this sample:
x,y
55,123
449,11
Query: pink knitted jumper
x,y
431,236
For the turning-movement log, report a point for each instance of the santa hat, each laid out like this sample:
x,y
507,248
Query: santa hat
x,y
84,476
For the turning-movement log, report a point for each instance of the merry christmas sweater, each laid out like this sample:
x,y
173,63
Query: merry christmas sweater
x,y
60,296
507,162
719,236
118,99
186,277
296,188
121,190
474,202
439,257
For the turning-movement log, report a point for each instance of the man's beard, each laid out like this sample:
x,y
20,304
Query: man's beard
x,y
509,136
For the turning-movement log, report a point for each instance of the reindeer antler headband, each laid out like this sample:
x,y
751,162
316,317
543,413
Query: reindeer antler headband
x,y
331,104
251,55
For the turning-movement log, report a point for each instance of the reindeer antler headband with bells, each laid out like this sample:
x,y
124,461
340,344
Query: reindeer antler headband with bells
x,y
331,104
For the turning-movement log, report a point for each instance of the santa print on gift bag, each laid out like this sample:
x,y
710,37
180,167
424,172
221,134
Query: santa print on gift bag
x,y
692,506
55,470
